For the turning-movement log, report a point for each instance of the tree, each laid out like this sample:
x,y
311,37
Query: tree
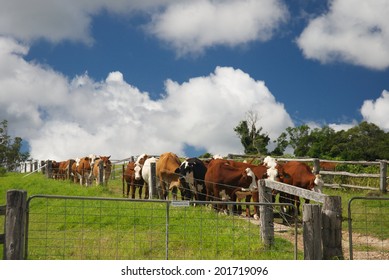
x,y
281,144
10,154
299,139
252,139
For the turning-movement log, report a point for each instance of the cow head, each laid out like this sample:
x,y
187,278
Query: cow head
x,y
138,166
186,178
318,183
106,161
253,185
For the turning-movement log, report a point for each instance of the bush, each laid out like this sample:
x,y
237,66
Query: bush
x,y
2,171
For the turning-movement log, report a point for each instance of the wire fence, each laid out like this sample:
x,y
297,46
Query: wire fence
x,y
368,225
62,227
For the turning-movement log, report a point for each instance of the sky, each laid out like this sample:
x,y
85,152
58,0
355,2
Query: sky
x,y
128,77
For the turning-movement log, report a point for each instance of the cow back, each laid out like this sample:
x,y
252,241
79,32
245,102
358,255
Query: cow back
x,y
300,174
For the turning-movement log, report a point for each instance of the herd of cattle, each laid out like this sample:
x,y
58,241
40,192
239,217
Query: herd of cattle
x,y
215,179
83,170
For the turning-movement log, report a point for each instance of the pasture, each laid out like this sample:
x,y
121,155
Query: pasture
x,y
135,229
127,229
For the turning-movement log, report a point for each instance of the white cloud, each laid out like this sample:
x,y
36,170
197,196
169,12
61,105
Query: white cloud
x,y
192,26
355,32
64,118
376,111
189,26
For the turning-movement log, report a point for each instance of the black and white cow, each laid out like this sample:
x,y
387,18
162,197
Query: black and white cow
x,y
192,173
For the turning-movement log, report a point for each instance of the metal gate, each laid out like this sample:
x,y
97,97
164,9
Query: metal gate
x,y
71,227
368,226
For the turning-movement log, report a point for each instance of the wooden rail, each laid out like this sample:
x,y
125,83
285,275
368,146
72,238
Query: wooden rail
x,y
327,225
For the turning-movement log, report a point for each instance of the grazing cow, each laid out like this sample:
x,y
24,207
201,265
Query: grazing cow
x,y
168,174
223,180
192,174
106,168
83,171
301,176
146,176
132,182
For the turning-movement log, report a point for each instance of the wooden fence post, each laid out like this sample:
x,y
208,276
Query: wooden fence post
x,y
383,169
101,173
332,228
49,169
312,232
266,214
15,217
153,186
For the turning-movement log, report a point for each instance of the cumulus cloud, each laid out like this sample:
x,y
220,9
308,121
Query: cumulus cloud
x,y
352,32
376,111
191,27
188,26
64,118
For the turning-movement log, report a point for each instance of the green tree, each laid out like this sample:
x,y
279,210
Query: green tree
x,y
281,144
299,139
254,141
10,154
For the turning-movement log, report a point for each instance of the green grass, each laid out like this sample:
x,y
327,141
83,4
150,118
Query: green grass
x,y
103,229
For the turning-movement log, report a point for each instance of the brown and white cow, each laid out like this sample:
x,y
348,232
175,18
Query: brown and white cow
x,y
82,171
131,181
106,167
168,174
64,166
300,175
223,180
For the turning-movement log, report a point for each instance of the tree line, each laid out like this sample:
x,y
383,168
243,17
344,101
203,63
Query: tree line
x,y
365,141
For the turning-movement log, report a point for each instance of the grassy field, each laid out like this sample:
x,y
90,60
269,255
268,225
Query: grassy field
x,y
103,229
99,229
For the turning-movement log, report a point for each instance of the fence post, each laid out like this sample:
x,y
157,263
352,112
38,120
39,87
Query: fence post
x,y
101,173
15,217
312,232
383,169
332,228
153,180
266,214
49,169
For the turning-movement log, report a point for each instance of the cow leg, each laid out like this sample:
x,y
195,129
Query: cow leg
x,y
132,187
140,191
146,187
127,189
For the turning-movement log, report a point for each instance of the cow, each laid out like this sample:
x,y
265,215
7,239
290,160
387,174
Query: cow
x,y
192,174
146,176
106,168
223,180
327,166
132,182
64,167
168,174
82,171
55,169
300,175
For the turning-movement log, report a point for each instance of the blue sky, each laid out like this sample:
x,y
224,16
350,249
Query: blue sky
x,y
134,77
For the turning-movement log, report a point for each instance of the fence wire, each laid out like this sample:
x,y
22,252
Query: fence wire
x,y
368,222
105,228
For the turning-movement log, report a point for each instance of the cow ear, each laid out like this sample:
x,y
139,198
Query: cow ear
x,y
109,157
177,171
